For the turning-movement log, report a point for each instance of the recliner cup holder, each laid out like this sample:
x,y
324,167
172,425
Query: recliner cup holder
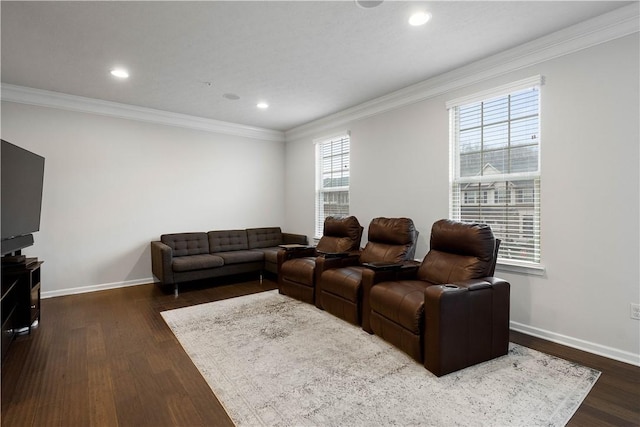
x,y
451,287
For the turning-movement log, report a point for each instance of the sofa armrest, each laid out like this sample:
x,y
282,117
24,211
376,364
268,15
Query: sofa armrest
x,y
372,276
290,238
465,323
161,257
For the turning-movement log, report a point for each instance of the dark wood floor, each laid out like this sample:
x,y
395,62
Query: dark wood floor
x,y
108,359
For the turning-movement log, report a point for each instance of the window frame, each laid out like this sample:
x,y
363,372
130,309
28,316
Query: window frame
x,y
319,212
458,197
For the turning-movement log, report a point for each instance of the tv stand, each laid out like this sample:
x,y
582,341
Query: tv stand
x,y
20,299
14,261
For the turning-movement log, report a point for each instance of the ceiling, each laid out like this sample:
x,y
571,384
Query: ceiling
x,y
307,59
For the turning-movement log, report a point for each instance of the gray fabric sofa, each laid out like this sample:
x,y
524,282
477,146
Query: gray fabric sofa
x,y
182,257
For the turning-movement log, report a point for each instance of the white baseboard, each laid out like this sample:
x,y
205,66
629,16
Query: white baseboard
x,y
600,350
94,288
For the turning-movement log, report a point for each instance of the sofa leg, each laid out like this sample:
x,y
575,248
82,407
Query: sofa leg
x,y
261,277
175,290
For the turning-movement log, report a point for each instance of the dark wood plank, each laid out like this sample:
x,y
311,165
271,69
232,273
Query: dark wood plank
x,y
108,359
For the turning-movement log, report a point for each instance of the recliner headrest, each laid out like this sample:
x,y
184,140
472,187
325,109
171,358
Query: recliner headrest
x,y
340,235
459,251
460,238
393,231
342,227
390,240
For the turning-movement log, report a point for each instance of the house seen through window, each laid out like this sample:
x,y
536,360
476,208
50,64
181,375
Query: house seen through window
x,y
332,179
495,166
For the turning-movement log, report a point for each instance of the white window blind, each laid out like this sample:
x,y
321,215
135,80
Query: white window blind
x,y
332,179
495,166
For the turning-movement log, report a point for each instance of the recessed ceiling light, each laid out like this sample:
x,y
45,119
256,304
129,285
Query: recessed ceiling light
x,y
262,105
120,73
419,18
369,4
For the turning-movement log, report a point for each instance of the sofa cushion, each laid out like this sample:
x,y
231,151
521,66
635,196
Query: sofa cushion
x,y
238,257
196,262
264,237
228,240
185,244
270,254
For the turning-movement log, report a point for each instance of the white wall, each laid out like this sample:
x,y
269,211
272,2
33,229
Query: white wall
x,y
112,185
590,191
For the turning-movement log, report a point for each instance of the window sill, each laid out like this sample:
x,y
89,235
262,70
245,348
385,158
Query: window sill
x,y
520,267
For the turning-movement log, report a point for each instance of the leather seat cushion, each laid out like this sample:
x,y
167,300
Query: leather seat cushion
x,y
401,302
300,270
344,282
196,262
238,257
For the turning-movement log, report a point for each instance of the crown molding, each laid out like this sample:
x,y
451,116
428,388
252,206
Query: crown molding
x,y
45,98
609,26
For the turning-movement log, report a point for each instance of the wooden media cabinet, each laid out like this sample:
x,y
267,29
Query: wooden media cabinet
x,y
20,299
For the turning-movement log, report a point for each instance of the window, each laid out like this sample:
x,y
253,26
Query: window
x,y
332,179
495,166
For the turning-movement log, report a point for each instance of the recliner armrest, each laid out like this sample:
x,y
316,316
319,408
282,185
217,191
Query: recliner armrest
x,y
287,254
496,281
325,263
476,284
465,323
470,285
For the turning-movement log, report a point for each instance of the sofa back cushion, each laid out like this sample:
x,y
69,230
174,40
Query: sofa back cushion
x,y
459,251
264,237
390,240
184,244
228,240
340,235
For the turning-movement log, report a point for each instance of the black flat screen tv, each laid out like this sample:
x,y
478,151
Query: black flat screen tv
x,y
21,197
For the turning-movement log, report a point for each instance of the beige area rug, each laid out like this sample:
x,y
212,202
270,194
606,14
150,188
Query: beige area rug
x,y
272,360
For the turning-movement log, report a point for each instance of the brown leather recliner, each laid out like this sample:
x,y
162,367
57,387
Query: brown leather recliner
x,y
449,312
339,291
297,268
